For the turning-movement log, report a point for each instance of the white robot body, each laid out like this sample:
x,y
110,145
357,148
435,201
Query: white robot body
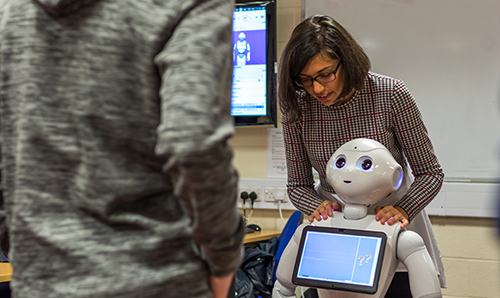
x,y
411,251
402,245
363,172
285,268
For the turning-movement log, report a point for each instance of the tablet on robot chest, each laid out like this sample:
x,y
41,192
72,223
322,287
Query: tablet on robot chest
x,y
339,259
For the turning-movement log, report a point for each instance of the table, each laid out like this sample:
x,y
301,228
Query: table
x,y
263,235
5,272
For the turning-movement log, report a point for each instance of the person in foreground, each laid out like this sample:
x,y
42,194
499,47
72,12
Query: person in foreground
x,y
117,171
328,96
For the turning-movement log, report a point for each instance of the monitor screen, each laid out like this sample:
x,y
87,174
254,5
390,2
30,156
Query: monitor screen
x,y
254,57
340,259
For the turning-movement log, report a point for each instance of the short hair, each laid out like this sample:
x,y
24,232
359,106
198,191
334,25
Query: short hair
x,y
312,36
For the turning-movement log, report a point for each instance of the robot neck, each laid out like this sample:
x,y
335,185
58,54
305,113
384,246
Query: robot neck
x,y
355,211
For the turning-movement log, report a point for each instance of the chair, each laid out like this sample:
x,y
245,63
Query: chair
x,y
291,225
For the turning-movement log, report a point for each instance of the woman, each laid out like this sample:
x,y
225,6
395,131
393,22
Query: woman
x,y
328,96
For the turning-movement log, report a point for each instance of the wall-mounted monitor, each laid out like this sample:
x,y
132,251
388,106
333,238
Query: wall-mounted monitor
x,y
253,99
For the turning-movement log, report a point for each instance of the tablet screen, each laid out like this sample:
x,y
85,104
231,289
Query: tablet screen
x,y
339,259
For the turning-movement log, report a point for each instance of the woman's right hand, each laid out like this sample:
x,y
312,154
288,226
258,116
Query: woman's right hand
x,y
325,210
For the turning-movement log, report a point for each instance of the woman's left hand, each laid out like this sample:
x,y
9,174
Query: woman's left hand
x,y
391,215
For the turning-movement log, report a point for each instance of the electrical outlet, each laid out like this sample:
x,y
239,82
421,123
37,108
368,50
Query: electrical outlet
x,y
281,194
249,190
270,194
273,194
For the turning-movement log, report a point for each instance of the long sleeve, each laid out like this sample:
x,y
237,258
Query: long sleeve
x,y
411,134
195,66
4,238
300,184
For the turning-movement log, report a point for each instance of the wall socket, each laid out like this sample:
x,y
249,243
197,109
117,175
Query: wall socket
x,y
273,194
259,186
250,189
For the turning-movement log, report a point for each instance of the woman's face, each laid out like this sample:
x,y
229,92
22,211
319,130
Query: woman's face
x,y
321,67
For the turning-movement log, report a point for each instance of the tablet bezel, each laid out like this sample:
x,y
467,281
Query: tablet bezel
x,y
336,285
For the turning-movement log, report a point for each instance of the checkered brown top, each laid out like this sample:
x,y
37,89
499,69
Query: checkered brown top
x,y
384,110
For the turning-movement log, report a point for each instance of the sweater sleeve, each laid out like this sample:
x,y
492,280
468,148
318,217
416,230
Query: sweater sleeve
x,y
300,183
411,133
4,238
196,69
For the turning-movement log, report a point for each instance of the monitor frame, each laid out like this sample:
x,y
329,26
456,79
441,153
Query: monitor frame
x,y
270,118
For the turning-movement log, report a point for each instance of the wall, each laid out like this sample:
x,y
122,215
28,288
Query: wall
x,y
470,246
431,51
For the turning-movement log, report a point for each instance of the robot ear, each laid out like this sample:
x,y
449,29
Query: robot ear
x,y
397,178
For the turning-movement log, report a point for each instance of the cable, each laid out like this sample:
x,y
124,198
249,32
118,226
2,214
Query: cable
x,y
244,197
249,215
280,197
281,212
253,196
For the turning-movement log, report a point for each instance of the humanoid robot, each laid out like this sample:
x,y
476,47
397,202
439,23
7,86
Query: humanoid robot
x,y
363,172
241,50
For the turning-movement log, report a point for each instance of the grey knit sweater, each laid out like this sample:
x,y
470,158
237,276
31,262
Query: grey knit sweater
x,y
116,170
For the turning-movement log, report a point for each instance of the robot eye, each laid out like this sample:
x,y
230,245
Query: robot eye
x,y
340,162
365,163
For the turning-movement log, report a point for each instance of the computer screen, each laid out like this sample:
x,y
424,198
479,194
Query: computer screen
x,y
253,100
340,259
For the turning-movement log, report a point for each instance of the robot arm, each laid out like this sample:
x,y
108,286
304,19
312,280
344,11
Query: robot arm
x,y
413,254
281,291
283,287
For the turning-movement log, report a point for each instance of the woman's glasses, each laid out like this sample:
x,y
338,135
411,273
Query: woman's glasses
x,y
322,79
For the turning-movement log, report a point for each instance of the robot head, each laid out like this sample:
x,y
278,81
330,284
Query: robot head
x,y
242,36
363,171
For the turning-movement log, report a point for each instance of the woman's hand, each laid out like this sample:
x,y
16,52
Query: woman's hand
x,y
325,210
391,215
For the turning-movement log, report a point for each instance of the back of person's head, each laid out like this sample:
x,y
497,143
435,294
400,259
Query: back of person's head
x,y
315,35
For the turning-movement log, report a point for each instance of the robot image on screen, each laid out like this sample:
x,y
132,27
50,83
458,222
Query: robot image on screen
x,y
350,254
241,50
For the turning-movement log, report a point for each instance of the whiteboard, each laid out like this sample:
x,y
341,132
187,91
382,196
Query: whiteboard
x,y
448,54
